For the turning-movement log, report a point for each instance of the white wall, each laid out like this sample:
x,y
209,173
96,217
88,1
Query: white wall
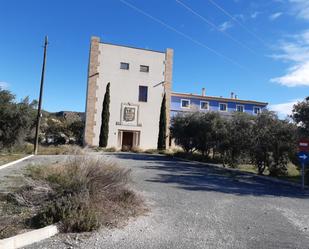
x,y
124,88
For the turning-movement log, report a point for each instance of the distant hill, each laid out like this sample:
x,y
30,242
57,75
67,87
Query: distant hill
x,y
69,116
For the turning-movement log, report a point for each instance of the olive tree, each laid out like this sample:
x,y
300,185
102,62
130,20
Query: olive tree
x,y
272,142
300,115
237,141
17,119
183,130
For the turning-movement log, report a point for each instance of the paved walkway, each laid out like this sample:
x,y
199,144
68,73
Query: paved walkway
x,y
195,206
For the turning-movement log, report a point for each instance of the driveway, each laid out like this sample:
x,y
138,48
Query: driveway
x,y
198,206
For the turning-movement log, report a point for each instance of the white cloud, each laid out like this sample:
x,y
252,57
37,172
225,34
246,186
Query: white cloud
x,y
298,76
4,85
284,109
274,16
301,8
240,17
226,25
254,14
296,52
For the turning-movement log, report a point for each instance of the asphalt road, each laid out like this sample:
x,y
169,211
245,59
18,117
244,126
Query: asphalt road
x,y
195,206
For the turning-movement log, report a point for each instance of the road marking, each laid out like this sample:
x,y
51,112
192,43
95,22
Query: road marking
x,y
14,162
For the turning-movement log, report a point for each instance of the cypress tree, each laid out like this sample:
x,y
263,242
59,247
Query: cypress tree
x,y
162,126
105,118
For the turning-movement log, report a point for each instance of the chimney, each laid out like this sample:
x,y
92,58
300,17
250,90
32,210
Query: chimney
x,y
203,91
232,95
236,96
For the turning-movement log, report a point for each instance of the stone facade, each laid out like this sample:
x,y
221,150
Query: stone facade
x,y
168,77
93,75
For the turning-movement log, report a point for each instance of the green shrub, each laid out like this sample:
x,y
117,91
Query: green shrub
x,y
17,119
74,212
307,177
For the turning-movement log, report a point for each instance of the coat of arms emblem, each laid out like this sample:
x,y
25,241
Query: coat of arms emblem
x,y
129,114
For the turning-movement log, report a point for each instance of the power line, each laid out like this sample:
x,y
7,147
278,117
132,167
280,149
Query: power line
x,y
215,26
238,22
182,34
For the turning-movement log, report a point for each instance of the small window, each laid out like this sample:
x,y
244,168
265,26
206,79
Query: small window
x,y
185,103
144,69
143,93
256,110
240,108
124,65
204,105
223,107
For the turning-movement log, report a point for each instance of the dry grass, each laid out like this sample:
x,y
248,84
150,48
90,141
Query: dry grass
x,y
110,149
293,174
136,149
18,152
80,195
60,150
15,153
6,158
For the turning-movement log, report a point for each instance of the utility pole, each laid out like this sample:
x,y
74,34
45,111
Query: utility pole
x,y
38,119
303,176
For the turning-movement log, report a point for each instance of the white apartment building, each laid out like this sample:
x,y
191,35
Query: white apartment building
x,y
138,80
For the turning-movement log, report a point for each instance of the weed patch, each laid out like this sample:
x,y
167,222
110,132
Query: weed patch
x,y
79,195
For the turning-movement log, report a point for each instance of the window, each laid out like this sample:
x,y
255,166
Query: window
x,y
204,105
144,69
256,110
223,107
124,65
240,108
143,93
185,103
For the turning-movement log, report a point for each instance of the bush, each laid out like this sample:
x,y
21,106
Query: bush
x,y
307,177
264,140
16,119
110,149
86,194
74,212
136,149
273,140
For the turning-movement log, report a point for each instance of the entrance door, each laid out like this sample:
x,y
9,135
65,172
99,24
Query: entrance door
x,y
127,140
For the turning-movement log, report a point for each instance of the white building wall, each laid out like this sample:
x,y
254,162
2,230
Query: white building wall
x,y
124,88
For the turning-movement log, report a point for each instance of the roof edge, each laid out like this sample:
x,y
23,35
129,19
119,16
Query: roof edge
x,y
126,46
218,98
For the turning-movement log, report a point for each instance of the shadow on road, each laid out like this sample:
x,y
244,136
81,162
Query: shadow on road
x,y
199,177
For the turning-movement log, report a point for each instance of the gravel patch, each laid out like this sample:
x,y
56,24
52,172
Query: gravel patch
x,y
195,206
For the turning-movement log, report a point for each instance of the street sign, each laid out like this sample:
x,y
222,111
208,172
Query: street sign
x,y
303,145
303,157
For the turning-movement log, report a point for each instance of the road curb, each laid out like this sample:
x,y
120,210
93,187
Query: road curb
x,y
28,238
14,162
267,178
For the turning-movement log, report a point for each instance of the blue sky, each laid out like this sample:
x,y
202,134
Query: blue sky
x,y
257,49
